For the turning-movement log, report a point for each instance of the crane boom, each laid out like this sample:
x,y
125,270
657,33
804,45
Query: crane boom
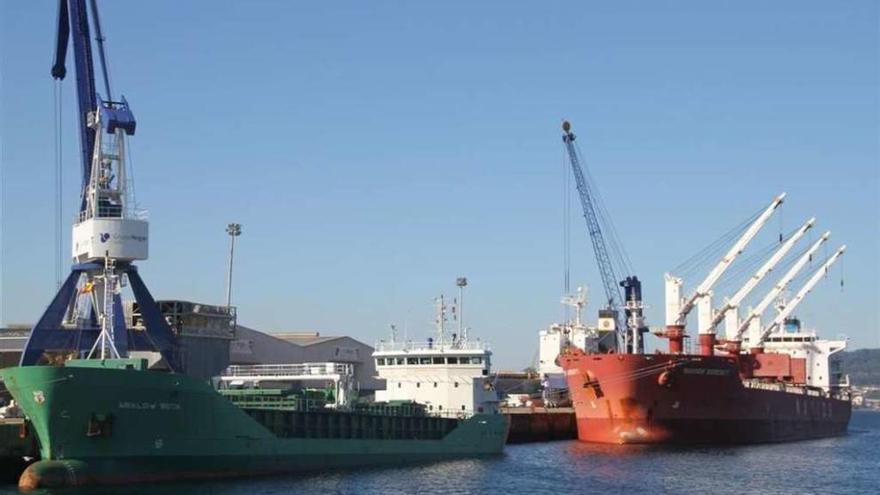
x,y
73,25
780,286
745,290
791,305
735,250
606,269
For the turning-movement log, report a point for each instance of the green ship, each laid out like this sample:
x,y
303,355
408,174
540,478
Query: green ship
x,y
114,421
112,418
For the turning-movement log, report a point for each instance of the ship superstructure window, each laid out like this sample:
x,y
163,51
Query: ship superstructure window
x,y
380,362
425,360
438,360
399,361
452,360
412,360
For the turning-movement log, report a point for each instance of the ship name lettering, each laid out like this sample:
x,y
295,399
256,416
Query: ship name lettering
x,y
149,406
705,371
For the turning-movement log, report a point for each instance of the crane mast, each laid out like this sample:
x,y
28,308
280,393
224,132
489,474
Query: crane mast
x,y
678,310
735,337
791,305
632,306
733,303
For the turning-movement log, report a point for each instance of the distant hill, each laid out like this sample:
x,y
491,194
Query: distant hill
x,y
862,366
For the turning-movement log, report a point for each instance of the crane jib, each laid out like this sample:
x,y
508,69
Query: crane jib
x,y
610,284
73,24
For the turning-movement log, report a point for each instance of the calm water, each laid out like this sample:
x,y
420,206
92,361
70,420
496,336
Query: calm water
x,y
844,465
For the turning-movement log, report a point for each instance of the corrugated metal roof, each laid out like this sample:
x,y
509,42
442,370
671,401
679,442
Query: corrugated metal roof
x,y
304,338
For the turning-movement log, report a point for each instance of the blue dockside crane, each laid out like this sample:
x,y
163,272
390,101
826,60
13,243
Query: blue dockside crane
x,y
628,334
86,317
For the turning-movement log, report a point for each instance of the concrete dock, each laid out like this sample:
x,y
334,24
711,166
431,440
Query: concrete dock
x,y
540,424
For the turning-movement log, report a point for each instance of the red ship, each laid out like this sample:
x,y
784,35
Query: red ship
x,y
668,398
759,383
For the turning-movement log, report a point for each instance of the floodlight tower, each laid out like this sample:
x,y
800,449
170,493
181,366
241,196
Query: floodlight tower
x,y
461,282
234,230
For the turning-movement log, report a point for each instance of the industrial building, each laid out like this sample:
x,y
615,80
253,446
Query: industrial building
x,y
210,339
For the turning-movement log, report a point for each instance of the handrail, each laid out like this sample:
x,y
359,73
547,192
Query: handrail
x,y
302,369
430,346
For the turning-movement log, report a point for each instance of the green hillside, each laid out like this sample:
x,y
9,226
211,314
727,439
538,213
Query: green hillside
x,y
862,366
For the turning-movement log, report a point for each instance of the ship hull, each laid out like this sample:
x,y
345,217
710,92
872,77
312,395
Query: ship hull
x,y
108,426
665,399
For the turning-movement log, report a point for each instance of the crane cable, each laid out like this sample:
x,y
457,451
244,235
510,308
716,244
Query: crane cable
x,y
624,264
714,248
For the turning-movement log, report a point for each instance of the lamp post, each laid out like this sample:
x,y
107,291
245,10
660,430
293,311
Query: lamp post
x,y
461,282
234,230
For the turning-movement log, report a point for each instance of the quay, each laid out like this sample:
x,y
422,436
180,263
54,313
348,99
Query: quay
x,y
540,424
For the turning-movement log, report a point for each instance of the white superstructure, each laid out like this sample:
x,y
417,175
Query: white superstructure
x,y
450,376
823,361
561,335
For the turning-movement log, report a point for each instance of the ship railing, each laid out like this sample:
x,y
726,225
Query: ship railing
x,y
788,388
432,346
458,414
327,370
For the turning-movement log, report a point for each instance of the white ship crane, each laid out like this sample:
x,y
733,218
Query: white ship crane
x,y
677,310
734,337
731,304
792,304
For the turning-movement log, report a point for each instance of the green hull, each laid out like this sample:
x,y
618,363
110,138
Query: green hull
x,y
99,425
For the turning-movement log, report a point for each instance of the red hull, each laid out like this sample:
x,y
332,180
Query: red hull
x,y
634,398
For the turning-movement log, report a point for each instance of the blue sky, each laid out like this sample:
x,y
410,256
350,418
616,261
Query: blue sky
x,y
374,151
